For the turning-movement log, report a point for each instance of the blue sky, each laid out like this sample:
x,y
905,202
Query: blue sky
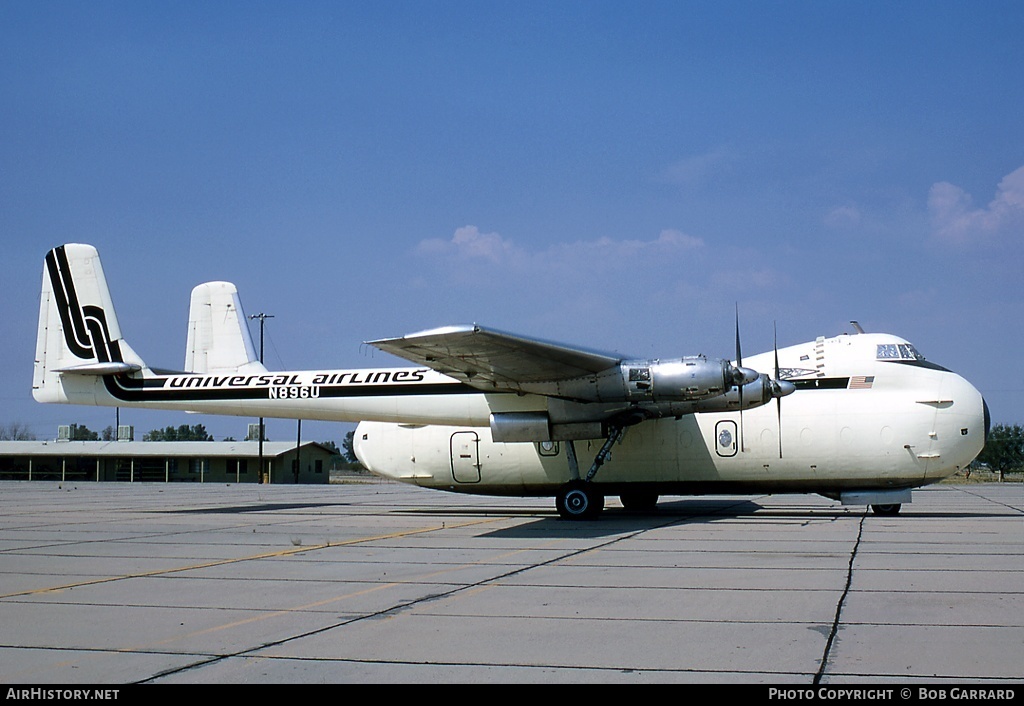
x,y
615,175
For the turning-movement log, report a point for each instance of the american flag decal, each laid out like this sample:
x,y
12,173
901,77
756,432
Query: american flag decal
x,y
861,382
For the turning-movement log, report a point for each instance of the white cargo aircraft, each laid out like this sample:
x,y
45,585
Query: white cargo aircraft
x,y
865,418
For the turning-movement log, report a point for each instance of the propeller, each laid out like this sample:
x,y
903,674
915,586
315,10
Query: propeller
x,y
739,367
741,376
780,388
775,381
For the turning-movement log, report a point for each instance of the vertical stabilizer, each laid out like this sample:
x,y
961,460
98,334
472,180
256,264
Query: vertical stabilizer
x,y
218,337
78,338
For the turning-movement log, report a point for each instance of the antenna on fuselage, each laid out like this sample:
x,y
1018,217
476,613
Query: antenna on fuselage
x,y
856,326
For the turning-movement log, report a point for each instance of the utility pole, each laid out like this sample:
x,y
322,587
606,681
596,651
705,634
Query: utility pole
x,y
262,317
298,448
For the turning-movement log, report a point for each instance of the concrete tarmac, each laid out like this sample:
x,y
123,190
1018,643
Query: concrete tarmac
x,y
376,582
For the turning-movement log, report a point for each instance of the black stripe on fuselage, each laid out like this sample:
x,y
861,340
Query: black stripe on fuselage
x,y
919,364
434,388
129,389
839,383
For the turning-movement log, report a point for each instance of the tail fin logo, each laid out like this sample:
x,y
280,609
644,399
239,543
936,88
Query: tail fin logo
x,y
85,327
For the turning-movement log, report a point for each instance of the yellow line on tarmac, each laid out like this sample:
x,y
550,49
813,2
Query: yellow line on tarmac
x,y
254,557
333,599
256,618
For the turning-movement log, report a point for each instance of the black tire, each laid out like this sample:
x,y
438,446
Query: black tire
x,y
639,500
887,510
579,500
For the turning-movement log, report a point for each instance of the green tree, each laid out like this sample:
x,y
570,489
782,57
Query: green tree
x,y
80,432
183,432
349,453
1004,449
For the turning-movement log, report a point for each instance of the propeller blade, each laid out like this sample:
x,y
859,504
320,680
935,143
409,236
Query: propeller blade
x,y
778,384
778,409
780,388
741,376
775,332
739,368
739,355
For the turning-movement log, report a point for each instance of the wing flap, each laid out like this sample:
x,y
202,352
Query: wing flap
x,y
486,357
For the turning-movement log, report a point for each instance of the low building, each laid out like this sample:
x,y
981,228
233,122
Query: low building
x,y
167,461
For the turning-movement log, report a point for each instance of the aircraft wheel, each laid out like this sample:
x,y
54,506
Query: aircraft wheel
x,y
887,510
579,500
640,501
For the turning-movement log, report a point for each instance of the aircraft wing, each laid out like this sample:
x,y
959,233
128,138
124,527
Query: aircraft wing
x,y
489,359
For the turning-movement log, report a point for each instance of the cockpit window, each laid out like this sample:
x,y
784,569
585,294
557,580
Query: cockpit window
x,y
898,351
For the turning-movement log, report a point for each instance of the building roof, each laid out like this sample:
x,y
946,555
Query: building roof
x,y
205,449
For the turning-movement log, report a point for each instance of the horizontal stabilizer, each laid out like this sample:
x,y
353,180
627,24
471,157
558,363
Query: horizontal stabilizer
x,y
100,369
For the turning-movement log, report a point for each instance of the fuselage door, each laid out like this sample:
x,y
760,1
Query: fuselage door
x,y
465,447
726,438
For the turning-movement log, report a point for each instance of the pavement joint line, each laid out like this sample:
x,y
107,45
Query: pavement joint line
x,y
235,560
466,589
398,608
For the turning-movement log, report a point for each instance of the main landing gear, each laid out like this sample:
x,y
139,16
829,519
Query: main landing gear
x,y
579,499
887,510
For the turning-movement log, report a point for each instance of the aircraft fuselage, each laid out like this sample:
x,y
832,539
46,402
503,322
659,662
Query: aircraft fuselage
x,y
856,421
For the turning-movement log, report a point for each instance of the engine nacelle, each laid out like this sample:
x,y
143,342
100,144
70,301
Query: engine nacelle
x,y
638,381
681,380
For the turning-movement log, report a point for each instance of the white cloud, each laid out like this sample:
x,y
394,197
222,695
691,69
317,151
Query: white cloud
x,y
558,288
668,243
699,168
468,243
843,217
678,239
955,220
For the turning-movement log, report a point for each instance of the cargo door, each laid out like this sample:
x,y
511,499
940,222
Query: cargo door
x,y
465,447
